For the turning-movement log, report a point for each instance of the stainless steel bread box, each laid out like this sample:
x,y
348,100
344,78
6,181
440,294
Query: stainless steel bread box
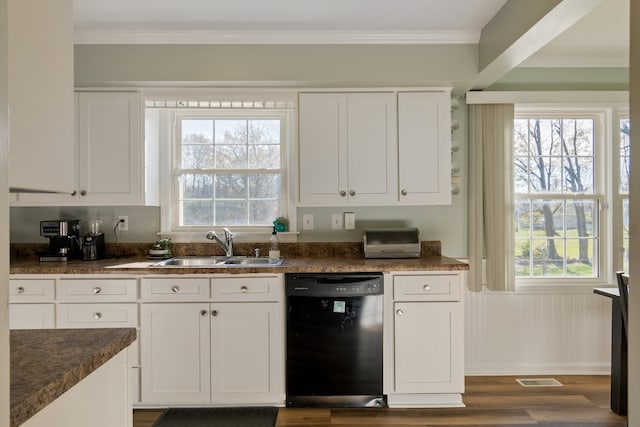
x,y
392,243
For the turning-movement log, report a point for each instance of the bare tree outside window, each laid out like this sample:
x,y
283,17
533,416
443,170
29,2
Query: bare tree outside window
x,y
556,213
229,171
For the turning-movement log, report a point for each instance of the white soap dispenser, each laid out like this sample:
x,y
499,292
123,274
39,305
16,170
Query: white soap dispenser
x,y
274,248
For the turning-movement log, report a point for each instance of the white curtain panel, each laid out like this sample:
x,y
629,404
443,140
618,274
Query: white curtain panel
x,y
491,196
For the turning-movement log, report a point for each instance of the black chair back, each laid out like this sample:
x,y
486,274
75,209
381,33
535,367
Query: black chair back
x,y
623,287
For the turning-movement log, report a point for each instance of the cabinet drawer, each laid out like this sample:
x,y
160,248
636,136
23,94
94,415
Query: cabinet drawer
x,y
267,288
31,290
426,287
175,289
97,315
32,316
96,290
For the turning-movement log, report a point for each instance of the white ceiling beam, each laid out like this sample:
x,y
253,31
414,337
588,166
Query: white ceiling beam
x,y
520,29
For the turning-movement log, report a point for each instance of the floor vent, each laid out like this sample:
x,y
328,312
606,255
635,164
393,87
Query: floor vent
x,y
539,382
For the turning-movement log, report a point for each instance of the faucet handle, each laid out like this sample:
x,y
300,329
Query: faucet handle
x,y
257,251
227,233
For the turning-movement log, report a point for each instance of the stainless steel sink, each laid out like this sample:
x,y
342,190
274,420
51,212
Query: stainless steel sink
x,y
206,262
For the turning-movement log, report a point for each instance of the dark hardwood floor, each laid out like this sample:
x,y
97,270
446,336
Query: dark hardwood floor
x,y
490,401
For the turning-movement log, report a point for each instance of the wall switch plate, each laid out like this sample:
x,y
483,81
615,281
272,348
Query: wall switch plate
x,y
336,222
349,220
307,222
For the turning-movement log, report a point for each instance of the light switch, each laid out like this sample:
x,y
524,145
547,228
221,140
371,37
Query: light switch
x,y
336,222
307,222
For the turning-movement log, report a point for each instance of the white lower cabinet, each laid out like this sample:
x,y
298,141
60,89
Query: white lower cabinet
x,y
425,337
32,304
227,349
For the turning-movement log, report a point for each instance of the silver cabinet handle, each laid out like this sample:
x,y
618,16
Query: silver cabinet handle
x,y
399,312
343,193
175,289
403,192
97,315
426,288
244,289
97,290
203,312
214,313
74,193
20,290
352,192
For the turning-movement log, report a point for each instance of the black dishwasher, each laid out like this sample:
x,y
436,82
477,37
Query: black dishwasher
x,y
334,340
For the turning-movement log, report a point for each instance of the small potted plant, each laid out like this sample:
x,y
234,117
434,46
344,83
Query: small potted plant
x,y
161,248
281,224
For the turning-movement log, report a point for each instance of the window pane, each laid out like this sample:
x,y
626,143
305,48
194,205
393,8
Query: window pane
x,y
231,156
625,156
231,132
197,212
231,212
263,211
196,186
264,156
545,174
231,187
197,156
264,132
580,257
197,131
264,186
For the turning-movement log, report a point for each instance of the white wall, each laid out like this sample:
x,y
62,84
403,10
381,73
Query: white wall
x,y
509,333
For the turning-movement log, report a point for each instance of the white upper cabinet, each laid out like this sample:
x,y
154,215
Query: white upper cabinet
x,y
109,154
424,148
40,93
375,148
348,153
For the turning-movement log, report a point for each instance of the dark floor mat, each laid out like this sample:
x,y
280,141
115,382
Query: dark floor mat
x,y
218,417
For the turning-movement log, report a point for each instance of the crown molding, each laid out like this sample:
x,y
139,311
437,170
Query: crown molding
x,y
83,36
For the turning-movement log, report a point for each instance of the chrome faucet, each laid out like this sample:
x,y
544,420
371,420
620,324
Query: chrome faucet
x,y
227,244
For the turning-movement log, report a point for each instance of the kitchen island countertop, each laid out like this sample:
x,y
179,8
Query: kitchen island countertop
x,y
45,363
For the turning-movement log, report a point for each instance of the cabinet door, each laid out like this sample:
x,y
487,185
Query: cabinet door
x,y
372,154
323,149
31,316
109,148
428,347
175,353
40,95
247,351
424,147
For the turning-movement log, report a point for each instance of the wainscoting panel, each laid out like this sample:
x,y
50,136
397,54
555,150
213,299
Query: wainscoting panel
x,y
511,333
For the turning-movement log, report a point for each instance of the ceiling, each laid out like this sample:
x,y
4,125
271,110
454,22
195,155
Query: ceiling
x,y
599,39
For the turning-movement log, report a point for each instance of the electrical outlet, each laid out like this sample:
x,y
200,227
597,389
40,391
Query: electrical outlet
x,y
336,222
123,224
307,222
349,220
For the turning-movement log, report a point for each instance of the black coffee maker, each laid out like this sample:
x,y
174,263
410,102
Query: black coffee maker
x,y
64,239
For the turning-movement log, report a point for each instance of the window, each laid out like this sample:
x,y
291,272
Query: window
x,y
559,192
622,199
228,169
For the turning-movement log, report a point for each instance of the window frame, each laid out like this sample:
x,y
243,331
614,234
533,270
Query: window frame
x,y
618,198
241,114
602,193
161,129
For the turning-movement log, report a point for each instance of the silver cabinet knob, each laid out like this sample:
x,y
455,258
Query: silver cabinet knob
x,y
97,290
214,313
20,290
203,312
244,289
74,193
399,312
403,192
426,288
83,192
343,193
175,289
97,315
352,192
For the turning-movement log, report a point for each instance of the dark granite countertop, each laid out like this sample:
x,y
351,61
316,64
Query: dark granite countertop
x,y
141,265
45,363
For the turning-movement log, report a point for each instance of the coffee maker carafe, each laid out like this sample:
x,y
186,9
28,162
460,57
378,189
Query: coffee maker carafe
x,y
64,239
